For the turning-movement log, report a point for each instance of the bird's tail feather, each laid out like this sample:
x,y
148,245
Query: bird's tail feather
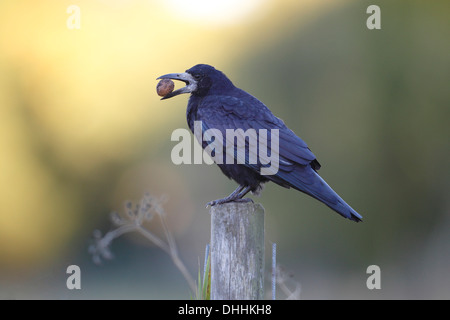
x,y
315,186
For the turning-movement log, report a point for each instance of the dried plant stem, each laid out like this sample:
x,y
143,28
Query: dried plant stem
x,y
180,265
111,235
170,249
150,236
136,216
281,279
274,270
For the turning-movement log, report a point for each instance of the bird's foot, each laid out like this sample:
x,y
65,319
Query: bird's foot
x,y
225,200
218,201
236,196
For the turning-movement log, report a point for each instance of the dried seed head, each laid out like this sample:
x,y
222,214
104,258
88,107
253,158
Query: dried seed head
x,y
164,87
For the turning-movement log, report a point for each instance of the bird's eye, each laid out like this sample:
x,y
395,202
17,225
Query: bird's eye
x,y
197,76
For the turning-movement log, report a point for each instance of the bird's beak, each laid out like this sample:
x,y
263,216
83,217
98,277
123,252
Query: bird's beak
x,y
191,83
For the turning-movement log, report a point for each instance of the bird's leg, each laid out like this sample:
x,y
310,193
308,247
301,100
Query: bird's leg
x,y
235,196
230,198
243,193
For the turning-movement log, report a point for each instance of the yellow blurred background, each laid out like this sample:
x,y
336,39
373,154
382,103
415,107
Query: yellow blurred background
x,y
82,130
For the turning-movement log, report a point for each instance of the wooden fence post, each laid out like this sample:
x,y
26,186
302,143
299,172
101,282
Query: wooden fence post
x,y
237,251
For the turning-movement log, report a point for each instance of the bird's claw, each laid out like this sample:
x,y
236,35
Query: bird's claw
x,y
214,202
210,204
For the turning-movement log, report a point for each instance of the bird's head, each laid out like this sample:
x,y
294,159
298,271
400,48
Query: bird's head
x,y
200,80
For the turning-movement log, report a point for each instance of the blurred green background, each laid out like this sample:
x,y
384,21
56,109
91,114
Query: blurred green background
x,y
82,131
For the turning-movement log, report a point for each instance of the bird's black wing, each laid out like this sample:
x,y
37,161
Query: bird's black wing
x,y
228,112
297,164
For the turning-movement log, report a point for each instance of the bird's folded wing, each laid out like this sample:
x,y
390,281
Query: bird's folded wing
x,y
252,122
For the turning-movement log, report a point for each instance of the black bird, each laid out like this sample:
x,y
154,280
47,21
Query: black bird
x,y
220,105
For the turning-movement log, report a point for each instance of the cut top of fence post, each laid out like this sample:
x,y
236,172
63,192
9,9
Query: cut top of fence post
x,y
237,251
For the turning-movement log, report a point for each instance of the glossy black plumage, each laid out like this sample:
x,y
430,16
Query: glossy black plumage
x,y
219,105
